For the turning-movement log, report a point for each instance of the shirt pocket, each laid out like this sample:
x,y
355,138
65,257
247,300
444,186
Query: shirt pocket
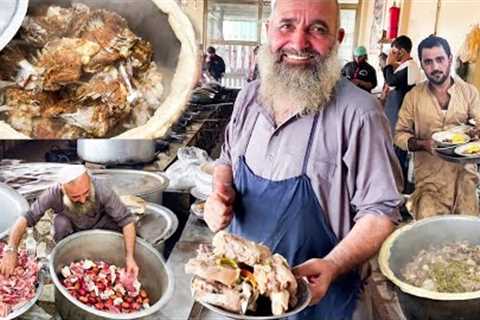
x,y
323,169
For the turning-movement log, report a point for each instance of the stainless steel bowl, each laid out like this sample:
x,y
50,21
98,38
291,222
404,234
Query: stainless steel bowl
x,y
13,205
116,151
18,312
405,243
154,275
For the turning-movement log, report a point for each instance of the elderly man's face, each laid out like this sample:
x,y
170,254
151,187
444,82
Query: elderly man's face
x,y
79,190
300,30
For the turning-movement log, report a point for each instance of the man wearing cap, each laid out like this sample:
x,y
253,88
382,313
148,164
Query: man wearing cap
x,y
359,71
79,203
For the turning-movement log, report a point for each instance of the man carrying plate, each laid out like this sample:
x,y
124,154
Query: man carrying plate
x,y
438,104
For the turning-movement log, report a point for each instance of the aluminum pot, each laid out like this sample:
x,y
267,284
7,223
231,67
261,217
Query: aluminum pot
x,y
115,151
13,205
18,312
155,276
146,185
405,243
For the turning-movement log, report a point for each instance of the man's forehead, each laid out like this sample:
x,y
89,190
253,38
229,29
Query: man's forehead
x,y
432,53
325,10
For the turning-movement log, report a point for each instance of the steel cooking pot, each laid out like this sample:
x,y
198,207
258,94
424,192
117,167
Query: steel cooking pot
x,y
13,205
405,243
155,276
116,151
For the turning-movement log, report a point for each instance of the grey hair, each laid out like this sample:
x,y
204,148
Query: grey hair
x,y
273,4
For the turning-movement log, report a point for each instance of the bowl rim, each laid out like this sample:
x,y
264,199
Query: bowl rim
x,y
134,315
385,253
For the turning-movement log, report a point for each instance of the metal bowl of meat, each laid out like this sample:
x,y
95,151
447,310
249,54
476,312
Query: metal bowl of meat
x,y
98,69
95,245
27,283
434,264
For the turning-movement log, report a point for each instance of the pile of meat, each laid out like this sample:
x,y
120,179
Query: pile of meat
x,y
20,287
104,287
235,272
77,72
452,268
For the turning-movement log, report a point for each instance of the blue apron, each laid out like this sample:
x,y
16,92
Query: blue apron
x,y
286,216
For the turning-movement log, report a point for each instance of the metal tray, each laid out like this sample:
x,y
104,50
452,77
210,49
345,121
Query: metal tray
x,y
454,158
12,13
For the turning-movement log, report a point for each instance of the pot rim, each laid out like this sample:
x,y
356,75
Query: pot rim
x,y
160,176
385,253
134,315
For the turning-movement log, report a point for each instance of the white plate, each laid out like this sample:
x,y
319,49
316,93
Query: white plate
x,y
440,137
195,192
461,150
303,295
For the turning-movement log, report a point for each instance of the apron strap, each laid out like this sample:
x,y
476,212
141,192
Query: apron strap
x,y
309,145
250,133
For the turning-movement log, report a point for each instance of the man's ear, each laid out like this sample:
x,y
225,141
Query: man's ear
x,y
340,35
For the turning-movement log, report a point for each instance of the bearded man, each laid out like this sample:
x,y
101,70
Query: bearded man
x,y
438,104
79,203
308,166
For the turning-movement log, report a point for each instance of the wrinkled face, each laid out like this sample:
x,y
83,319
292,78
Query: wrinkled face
x,y
78,191
302,31
436,64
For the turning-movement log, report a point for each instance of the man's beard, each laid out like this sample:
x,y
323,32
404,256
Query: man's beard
x,y
309,87
439,81
81,209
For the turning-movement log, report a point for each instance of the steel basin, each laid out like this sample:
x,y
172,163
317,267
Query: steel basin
x,y
154,275
146,185
405,243
13,206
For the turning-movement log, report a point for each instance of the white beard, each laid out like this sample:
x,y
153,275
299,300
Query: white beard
x,y
309,88
81,209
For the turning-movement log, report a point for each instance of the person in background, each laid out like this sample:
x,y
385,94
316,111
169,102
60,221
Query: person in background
x,y
441,102
215,64
79,203
359,71
382,62
308,166
401,73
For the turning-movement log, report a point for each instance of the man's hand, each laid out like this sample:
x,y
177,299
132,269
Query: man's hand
x,y
131,266
320,274
219,207
8,263
392,58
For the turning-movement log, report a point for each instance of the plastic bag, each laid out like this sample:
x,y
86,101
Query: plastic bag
x,y
182,173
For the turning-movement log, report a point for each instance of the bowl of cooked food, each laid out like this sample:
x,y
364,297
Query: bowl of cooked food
x,y
240,279
469,150
435,266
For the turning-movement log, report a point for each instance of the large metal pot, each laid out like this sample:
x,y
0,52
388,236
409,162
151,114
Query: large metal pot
x,y
164,24
155,276
18,312
405,243
116,151
146,185
13,205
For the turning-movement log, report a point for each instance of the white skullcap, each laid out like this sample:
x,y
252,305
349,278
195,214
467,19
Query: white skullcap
x,y
70,172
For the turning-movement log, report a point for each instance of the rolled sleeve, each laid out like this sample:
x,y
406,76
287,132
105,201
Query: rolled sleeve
x,y
50,199
374,174
405,127
115,208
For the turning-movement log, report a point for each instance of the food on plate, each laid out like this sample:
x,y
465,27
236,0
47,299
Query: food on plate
x,y
234,272
78,72
104,287
455,138
452,268
19,288
472,149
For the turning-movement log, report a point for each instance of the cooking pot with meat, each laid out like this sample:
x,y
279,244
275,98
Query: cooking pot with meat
x,y
100,245
430,236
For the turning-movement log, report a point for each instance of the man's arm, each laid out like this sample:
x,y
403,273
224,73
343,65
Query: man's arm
x,y
129,235
405,128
